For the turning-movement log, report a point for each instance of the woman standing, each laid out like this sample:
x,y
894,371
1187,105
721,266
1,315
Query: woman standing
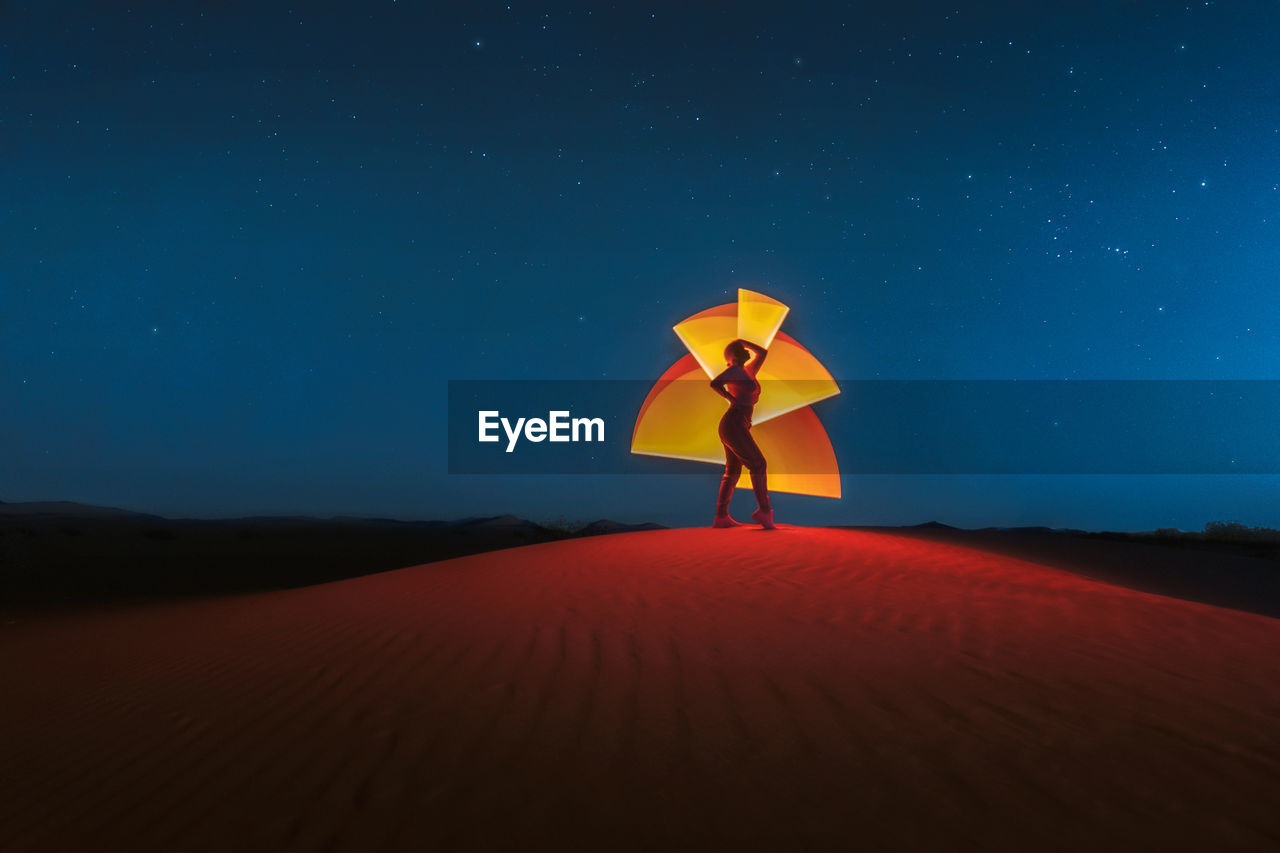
x,y
738,384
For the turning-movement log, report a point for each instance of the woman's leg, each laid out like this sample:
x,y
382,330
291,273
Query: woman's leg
x,y
732,473
736,435
759,477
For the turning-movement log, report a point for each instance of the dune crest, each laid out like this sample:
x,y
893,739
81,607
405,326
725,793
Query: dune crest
x,y
651,690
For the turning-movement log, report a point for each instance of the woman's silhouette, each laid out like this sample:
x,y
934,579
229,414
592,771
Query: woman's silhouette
x,y
738,384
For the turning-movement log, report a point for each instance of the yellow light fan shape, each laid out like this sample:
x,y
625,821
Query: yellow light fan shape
x,y
678,418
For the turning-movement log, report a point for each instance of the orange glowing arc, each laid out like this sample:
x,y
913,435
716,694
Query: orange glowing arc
x,y
678,418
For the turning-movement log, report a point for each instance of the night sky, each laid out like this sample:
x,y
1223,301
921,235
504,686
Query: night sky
x,y
244,245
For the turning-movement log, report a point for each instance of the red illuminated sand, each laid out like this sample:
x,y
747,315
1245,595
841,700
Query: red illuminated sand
x,y
670,689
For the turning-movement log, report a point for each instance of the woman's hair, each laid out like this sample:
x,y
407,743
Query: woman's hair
x,y
736,352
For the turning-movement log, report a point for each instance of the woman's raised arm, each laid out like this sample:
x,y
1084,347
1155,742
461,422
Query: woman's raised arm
x,y
758,353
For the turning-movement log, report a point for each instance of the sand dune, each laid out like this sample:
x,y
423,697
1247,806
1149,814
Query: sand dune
x,y
682,689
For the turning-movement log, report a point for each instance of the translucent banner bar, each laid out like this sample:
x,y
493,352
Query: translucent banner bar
x,y
873,426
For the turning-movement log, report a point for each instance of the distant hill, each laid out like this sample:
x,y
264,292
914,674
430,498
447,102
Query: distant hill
x,y
597,528
508,522
56,553
68,508
1242,572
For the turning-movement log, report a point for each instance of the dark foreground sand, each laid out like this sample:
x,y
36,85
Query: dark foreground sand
x,y
683,689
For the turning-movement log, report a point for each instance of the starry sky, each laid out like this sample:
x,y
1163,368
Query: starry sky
x,y
245,245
